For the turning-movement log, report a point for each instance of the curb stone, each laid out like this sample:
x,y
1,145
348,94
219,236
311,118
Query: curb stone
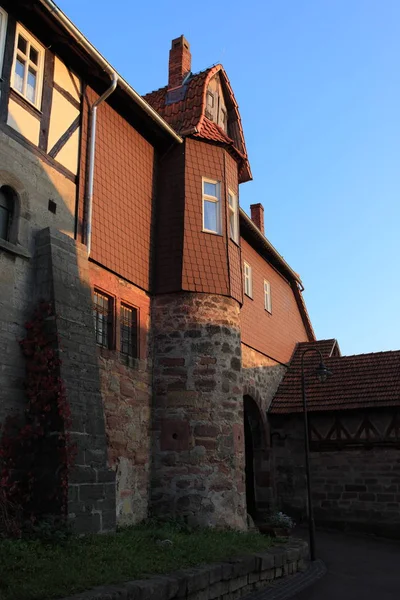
x,y
287,588
234,578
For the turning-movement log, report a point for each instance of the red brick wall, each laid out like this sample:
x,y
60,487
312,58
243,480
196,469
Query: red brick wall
x,y
126,393
273,334
206,267
123,195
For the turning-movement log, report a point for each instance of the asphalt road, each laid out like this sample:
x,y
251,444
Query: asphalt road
x,y
359,568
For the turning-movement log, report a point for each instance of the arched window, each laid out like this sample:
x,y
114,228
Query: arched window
x,y
6,211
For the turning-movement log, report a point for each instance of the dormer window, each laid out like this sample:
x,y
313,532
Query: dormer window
x,y
210,108
223,119
27,72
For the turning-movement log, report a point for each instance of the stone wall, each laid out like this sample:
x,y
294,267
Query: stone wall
x,y
198,437
229,580
62,278
34,183
261,374
126,391
356,487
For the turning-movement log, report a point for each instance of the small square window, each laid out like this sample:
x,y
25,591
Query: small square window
x,y
211,206
28,65
267,296
103,319
248,280
129,330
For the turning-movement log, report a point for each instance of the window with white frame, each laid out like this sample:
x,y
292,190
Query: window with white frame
x,y
267,296
211,206
27,71
3,32
248,280
233,217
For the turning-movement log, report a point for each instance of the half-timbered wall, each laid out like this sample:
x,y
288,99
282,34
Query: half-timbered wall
x,y
355,468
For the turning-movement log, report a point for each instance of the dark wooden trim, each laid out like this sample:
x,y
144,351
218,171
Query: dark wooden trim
x,y
67,95
47,97
37,151
65,137
80,171
25,104
7,66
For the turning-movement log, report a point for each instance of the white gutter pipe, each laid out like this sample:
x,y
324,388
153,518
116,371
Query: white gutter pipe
x,y
105,65
91,157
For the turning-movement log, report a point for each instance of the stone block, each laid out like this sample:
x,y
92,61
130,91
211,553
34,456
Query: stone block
x,y
199,595
147,589
217,589
91,492
227,571
253,577
81,474
215,573
86,523
279,556
197,579
237,583
267,575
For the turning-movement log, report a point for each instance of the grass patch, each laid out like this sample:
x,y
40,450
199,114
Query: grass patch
x,y
34,570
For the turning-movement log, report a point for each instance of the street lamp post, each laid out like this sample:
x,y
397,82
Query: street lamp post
x,y
322,373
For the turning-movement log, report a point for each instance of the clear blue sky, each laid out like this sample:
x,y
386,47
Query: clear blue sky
x,y
318,88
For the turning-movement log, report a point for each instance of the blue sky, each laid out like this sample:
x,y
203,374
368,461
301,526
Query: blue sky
x,y
318,88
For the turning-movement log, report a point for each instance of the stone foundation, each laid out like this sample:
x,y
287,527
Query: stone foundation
x,y
198,434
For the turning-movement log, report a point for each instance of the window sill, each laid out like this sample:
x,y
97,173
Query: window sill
x,y
249,297
211,232
14,249
22,101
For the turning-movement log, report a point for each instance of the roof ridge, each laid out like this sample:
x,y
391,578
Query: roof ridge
x,y
369,353
191,76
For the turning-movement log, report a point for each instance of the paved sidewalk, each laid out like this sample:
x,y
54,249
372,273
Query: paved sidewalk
x,y
359,568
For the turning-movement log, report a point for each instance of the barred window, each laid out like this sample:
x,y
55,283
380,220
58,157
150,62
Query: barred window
x,y
129,330
102,314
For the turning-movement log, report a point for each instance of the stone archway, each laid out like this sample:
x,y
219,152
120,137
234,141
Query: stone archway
x,y
257,468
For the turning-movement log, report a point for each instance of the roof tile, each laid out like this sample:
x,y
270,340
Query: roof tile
x,y
358,381
187,115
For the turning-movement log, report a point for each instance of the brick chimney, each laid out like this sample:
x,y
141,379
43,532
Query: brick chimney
x,y
180,62
257,215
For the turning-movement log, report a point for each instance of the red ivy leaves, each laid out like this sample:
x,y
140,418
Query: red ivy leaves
x,y
24,448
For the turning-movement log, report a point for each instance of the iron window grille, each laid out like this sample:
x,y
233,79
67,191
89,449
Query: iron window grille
x,y
102,314
129,331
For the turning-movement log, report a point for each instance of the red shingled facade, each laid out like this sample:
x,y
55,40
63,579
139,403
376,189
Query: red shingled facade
x,y
274,334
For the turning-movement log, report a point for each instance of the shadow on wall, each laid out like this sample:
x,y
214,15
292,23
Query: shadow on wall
x,y
41,260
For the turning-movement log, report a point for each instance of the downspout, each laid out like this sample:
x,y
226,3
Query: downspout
x,y
91,157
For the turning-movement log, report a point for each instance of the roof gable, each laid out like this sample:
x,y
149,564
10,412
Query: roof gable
x,y
184,108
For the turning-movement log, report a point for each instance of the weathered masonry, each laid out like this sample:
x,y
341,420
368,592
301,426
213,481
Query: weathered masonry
x,y
174,317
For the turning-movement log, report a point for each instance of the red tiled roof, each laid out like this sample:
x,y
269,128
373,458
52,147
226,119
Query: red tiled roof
x,y
187,114
359,381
